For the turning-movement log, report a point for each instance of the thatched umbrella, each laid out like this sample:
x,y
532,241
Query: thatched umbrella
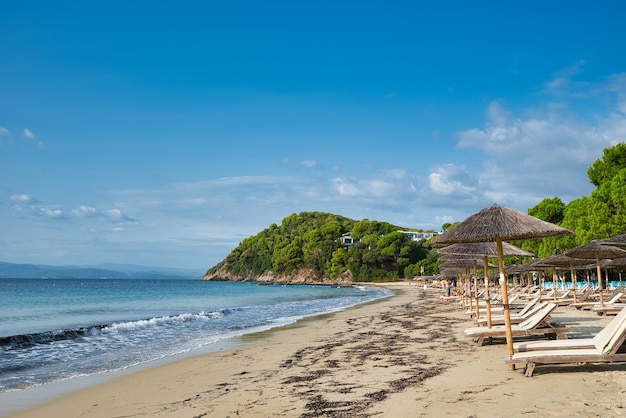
x,y
497,223
486,250
616,241
466,262
561,261
532,265
451,272
597,251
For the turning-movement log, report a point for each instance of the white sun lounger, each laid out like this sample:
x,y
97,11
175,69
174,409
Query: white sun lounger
x,y
538,324
605,349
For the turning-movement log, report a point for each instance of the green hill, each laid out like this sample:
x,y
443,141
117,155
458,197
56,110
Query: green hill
x,y
307,247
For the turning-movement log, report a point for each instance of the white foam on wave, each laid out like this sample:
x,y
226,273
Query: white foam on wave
x,y
158,321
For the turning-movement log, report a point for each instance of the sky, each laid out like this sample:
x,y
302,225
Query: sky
x,y
163,133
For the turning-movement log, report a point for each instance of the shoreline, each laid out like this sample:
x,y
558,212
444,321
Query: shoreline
x,y
400,356
21,401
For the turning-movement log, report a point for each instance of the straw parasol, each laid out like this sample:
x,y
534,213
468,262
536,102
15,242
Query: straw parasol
x,y
562,261
486,250
482,249
497,223
616,241
462,262
597,251
467,261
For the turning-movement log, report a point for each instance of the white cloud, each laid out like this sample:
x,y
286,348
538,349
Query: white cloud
x,y
573,70
27,206
547,154
85,211
29,134
345,187
450,180
309,163
562,82
397,174
117,215
381,188
52,213
3,131
23,198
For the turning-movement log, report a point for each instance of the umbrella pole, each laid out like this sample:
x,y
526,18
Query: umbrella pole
x,y
555,277
505,301
487,298
461,279
476,289
599,279
469,289
573,274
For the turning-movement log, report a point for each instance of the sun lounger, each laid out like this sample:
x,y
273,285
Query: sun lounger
x,y
601,339
609,309
538,324
530,309
559,295
589,305
569,300
607,347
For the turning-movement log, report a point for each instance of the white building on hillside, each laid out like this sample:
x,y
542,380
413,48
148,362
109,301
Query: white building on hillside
x,y
419,236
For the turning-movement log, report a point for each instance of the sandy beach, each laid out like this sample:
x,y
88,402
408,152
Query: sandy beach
x,y
404,356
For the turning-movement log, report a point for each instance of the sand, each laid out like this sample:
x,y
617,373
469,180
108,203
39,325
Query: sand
x,y
403,356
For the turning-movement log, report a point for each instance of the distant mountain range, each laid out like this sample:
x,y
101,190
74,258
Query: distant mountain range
x,y
101,271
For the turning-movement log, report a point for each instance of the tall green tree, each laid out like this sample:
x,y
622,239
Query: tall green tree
x,y
605,168
338,263
549,210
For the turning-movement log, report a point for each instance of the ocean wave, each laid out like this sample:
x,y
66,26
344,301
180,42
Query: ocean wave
x,y
24,341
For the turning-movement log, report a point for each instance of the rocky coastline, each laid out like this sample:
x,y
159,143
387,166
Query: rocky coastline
x,y
300,276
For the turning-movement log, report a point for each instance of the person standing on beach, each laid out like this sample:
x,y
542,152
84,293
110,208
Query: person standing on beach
x,y
448,286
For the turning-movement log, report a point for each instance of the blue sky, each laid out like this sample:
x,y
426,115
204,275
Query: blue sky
x,y
163,133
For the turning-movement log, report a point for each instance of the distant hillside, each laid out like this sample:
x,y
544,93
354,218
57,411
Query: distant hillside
x,y
306,247
114,271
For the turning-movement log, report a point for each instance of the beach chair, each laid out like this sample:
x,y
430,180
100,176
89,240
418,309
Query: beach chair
x,y
599,340
554,296
589,305
609,308
537,325
569,300
606,347
495,303
516,317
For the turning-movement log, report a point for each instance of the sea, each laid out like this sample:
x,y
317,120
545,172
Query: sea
x,y
55,330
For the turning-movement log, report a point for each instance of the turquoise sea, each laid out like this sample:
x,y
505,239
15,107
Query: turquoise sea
x,y
59,329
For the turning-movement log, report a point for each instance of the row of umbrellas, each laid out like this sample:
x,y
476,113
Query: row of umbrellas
x,y
495,225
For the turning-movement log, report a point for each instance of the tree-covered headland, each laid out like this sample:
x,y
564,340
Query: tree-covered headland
x,y
309,244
